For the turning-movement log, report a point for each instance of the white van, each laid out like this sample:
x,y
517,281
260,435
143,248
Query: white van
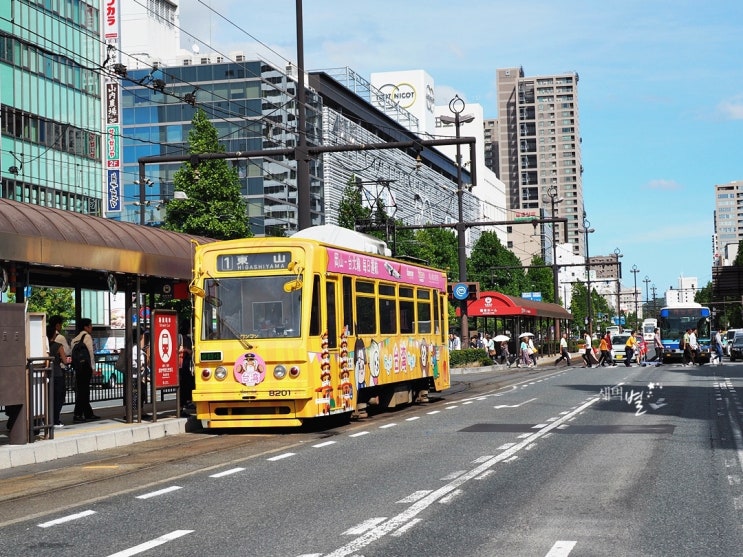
x,y
730,336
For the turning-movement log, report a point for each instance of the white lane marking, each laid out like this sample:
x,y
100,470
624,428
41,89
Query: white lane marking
x,y
453,475
227,473
364,526
450,407
523,435
433,412
325,444
407,527
485,474
412,419
539,426
387,426
141,548
482,459
159,492
398,521
562,548
64,519
467,402
498,407
505,446
359,434
416,496
280,457
449,498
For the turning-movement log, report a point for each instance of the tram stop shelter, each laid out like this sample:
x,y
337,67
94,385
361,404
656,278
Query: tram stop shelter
x,y
498,313
42,246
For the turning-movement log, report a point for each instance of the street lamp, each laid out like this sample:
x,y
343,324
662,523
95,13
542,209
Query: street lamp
x,y
647,281
617,254
554,200
586,231
635,270
456,106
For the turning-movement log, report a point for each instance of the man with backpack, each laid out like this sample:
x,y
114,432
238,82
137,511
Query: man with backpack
x,y
82,360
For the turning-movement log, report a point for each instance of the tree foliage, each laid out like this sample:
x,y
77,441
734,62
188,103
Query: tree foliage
x,y
215,207
540,279
52,301
495,267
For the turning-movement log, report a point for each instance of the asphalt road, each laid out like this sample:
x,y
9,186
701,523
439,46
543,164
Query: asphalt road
x,y
567,462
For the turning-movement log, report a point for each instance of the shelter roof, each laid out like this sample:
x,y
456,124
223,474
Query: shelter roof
x,y
62,248
495,304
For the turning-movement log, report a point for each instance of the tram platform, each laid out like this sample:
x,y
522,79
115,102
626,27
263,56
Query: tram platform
x,y
109,432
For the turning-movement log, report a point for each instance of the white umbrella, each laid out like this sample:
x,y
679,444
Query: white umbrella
x,y
501,338
522,335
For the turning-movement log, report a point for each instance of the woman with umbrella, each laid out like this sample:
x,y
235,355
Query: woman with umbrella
x,y
503,355
527,349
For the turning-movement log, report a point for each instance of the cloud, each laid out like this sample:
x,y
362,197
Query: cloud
x,y
661,184
731,109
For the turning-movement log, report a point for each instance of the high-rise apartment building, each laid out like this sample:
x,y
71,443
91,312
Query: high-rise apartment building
x,y
728,219
50,93
539,147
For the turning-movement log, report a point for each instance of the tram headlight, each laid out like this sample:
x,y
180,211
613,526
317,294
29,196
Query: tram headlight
x,y
220,373
279,372
294,372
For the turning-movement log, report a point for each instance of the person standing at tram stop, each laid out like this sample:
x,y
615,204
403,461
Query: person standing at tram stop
x,y
83,411
58,355
185,371
629,349
564,354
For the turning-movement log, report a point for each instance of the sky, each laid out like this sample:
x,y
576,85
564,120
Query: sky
x,y
660,93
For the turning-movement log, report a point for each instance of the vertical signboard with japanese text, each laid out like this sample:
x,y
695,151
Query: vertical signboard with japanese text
x,y
165,348
111,102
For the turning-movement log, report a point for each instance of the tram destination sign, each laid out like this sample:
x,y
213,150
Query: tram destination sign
x,y
253,261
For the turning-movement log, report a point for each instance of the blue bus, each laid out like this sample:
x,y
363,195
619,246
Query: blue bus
x,y
673,322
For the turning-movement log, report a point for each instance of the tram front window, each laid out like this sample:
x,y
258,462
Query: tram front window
x,y
256,307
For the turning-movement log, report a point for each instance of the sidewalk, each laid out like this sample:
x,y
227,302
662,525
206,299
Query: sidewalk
x,y
107,433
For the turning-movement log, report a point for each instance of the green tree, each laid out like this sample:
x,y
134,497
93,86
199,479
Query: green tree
x,y
52,301
215,207
495,267
540,279
351,209
437,247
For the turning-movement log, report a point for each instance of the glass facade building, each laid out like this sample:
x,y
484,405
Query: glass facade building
x,y
50,92
253,108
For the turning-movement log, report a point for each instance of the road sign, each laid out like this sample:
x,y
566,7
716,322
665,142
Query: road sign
x,y
461,291
618,320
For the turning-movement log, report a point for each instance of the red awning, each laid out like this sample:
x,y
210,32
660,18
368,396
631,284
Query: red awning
x,y
495,304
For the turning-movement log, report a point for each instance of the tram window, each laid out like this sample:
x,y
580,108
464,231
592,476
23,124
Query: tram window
x,y
387,316
315,309
437,304
406,292
386,290
424,314
348,304
366,316
407,316
424,294
364,286
330,305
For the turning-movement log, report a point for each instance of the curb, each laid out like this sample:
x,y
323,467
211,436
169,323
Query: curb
x,y
98,436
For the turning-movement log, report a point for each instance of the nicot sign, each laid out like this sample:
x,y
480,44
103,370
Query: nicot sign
x,y
165,348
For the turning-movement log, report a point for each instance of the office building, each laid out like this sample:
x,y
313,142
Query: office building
x,y
50,92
